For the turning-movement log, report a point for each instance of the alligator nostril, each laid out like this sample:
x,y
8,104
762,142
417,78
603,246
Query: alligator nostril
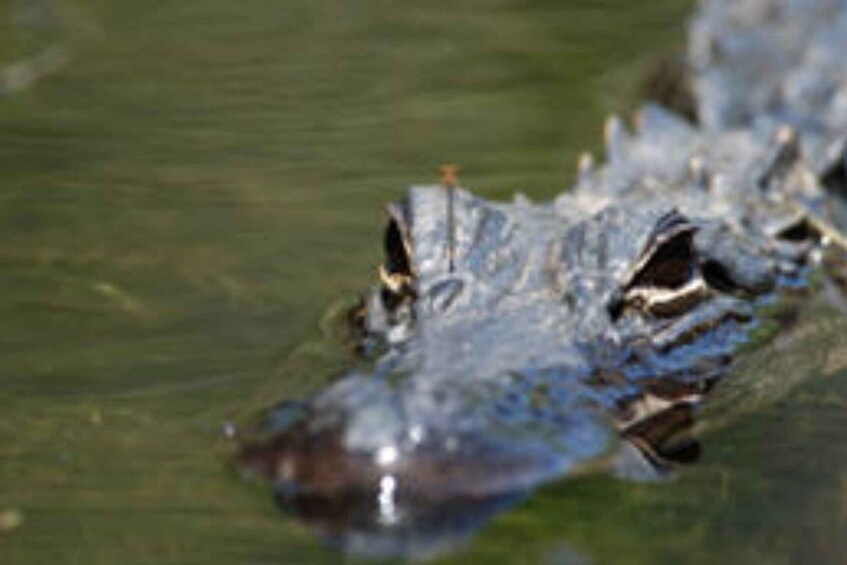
x,y
444,293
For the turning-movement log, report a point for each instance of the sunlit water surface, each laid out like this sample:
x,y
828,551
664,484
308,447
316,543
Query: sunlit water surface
x,y
186,198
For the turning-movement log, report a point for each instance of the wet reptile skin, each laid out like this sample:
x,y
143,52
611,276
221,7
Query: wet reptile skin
x,y
516,343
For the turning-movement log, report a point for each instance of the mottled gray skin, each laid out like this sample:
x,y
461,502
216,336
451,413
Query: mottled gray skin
x,y
514,343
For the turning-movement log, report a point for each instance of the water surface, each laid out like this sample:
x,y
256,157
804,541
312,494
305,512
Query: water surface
x,y
185,199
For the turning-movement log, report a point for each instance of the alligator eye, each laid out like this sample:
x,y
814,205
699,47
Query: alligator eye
x,y
395,272
396,255
669,265
665,280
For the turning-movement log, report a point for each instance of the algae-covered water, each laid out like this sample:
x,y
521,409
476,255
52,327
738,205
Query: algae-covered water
x,y
193,184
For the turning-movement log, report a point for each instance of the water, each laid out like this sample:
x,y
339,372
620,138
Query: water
x,y
186,196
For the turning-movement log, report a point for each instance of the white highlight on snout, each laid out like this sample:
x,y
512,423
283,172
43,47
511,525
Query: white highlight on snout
x,y
387,455
387,509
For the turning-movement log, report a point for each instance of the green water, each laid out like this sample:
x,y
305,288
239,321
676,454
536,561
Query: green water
x,y
184,200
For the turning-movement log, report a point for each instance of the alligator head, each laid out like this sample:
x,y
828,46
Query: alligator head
x,y
515,343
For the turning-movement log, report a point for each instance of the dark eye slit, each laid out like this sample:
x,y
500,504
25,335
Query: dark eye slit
x,y
396,257
670,266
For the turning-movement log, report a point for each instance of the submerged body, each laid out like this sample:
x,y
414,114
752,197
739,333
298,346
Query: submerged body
x,y
512,344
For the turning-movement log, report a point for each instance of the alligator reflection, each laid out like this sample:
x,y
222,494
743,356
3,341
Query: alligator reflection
x,y
391,525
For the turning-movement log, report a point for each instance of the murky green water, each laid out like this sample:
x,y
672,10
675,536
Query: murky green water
x,y
189,194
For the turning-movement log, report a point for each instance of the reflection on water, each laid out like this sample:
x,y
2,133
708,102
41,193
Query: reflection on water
x,y
421,531
185,196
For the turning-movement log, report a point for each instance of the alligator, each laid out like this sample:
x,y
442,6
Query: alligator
x,y
512,344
